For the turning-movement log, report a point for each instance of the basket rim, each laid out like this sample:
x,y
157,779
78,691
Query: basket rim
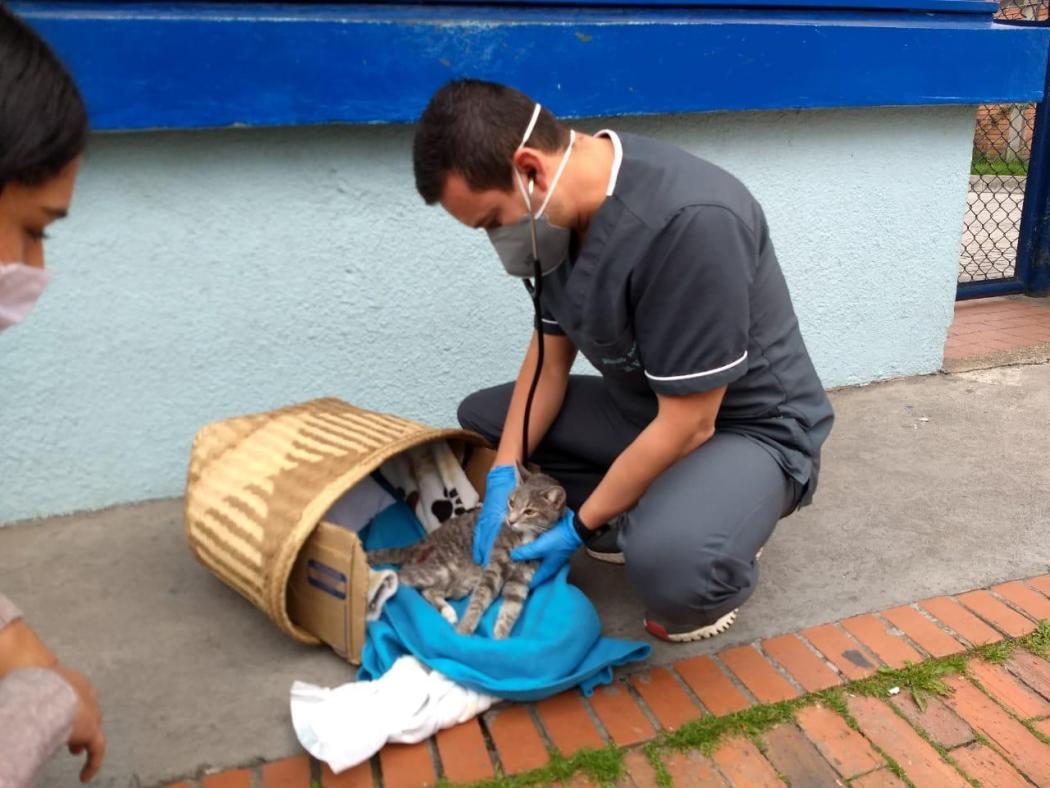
x,y
274,596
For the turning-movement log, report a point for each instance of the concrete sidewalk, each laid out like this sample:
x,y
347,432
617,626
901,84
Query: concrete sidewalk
x,y
930,486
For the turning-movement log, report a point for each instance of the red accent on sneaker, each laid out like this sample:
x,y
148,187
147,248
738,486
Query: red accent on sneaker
x,y
656,630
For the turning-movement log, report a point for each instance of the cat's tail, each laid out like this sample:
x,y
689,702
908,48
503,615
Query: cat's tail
x,y
393,555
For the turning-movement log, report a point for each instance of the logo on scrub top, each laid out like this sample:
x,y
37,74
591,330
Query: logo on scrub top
x,y
628,362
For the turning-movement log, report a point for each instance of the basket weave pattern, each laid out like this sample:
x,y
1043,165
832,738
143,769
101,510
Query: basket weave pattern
x,y
258,486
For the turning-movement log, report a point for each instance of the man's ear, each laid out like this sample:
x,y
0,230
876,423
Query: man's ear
x,y
530,164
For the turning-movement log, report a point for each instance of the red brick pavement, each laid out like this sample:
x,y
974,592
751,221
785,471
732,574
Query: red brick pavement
x,y
993,727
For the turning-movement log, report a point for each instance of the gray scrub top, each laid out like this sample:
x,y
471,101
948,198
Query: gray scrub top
x,y
677,290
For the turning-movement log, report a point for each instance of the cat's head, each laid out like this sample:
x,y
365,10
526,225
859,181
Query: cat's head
x,y
536,503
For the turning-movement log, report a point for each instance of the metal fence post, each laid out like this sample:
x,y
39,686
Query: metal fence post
x,y
1006,232
1033,246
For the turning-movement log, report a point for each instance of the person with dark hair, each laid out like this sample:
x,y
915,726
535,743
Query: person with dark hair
x,y
705,426
43,131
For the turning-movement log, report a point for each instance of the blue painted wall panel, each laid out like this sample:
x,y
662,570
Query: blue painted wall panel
x,y
187,66
938,6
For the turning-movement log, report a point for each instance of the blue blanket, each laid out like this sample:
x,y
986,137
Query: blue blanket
x,y
556,643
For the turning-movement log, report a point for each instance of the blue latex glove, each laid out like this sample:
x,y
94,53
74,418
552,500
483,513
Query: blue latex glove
x,y
554,548
499,484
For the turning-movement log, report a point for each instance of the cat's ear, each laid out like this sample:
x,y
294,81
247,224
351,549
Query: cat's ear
x,y
555,496
523,472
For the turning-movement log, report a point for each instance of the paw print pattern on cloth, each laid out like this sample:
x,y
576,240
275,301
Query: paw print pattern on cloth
x,y
449,506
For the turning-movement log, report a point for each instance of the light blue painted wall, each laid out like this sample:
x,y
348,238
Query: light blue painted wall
x,y
208,274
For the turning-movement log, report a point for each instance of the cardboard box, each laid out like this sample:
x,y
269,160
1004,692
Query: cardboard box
x,y
477,467
328,587
328,590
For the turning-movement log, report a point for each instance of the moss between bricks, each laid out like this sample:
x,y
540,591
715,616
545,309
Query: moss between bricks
x,y
663,776
996,653
943,751
836,700
1037,642
1036,732
606,766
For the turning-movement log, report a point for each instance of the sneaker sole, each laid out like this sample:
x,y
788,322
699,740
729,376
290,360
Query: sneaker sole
x,y
606,558
703,633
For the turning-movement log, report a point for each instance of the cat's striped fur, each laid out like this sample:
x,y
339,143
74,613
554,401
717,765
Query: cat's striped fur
x,y
441,566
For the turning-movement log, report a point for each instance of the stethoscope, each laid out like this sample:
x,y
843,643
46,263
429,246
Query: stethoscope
x,y
535,293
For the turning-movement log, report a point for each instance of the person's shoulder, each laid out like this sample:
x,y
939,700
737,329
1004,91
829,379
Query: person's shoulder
x,y
665,184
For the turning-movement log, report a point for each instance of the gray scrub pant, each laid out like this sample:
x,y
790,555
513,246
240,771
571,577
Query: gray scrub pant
x,y
690,542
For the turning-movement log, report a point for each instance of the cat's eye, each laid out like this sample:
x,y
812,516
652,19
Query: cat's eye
x,y
529,512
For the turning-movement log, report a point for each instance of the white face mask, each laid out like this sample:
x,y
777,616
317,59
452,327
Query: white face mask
x,y
20,287
533,237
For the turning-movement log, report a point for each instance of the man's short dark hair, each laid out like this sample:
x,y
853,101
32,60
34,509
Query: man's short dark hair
x,y
43,123
472,128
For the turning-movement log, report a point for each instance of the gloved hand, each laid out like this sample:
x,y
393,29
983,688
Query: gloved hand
x,y
499,484
554,548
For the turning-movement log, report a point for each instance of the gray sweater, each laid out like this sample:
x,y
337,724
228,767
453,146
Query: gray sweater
x,y
37,708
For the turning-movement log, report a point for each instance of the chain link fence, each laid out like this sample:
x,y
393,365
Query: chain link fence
x,y
1002,150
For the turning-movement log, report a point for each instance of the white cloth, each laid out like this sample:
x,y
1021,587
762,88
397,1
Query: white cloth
x,y
358,505
382,584
432,482
347,725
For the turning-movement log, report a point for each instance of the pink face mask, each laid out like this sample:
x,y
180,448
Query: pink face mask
x,y
20,287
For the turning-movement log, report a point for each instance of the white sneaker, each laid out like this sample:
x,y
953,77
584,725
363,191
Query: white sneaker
x,y
676,635
688,636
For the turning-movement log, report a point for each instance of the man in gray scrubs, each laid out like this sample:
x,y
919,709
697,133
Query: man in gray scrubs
x,y
705,426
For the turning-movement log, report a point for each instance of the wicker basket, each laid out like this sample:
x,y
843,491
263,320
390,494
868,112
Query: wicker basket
x,y
258,486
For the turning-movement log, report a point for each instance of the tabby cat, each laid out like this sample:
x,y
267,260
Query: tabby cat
x,y
441,568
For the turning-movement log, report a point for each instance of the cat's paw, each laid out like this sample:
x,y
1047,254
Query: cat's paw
x,y
449,614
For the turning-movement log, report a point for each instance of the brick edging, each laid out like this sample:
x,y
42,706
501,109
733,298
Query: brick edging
x,y
642,704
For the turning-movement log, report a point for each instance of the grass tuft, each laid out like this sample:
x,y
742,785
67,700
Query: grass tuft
x,y
921,680
604,766
895,767
706,733
996,653
663,776
1038,642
